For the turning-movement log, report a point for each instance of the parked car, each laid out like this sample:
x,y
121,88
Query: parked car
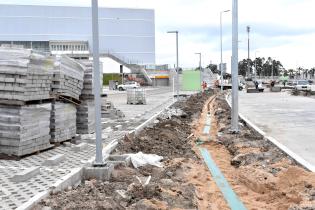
x,y
302,85
128,85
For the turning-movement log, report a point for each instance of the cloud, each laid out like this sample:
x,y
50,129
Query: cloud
x,y
282,29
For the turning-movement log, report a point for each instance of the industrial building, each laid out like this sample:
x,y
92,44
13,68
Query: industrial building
x,y
128,34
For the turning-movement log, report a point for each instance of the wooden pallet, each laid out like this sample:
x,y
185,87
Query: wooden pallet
x,y
22,103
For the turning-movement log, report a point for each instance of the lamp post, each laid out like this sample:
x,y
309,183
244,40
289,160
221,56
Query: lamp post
x,y
234,113
97,86
248,57
221,68
177,75
200,66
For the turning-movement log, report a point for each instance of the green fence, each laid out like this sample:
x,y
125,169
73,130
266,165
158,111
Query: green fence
x,y
191,80
107,77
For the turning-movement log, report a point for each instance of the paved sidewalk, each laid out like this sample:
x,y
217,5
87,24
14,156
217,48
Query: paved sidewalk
x,y
16,194
289,119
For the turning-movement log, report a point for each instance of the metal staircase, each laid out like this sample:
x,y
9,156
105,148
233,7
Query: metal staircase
x,y
135,68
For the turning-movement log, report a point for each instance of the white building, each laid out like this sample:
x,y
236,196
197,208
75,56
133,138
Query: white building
x,y
129,34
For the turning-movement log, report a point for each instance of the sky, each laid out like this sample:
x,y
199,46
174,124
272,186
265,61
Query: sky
x,y
281,29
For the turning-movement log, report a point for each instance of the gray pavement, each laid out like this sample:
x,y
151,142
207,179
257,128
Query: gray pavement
x,y
288,119
15,195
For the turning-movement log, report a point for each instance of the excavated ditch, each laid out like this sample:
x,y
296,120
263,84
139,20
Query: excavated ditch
x,y
168,187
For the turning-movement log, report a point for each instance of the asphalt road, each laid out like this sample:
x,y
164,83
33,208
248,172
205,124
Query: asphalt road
x,y
288,119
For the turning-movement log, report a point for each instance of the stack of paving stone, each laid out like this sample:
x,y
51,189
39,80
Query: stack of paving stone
x,y
68,77
86,110
86,117
88,89
24,75
24,129
63,121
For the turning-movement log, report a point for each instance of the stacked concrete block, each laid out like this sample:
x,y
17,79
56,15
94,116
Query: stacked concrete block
x,y
24,129
88,89
24,75
86,117
63,121
68,77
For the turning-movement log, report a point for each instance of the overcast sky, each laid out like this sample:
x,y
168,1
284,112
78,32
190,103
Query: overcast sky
x,y
281,29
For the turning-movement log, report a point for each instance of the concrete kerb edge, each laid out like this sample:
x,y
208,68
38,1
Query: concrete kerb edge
x,y
285,149
71,179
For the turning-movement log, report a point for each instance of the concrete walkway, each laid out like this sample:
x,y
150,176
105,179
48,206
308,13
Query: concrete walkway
x,y
288,119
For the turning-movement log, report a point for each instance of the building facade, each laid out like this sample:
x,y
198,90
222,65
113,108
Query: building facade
x,y
126,33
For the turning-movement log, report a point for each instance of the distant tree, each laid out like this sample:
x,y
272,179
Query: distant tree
x,y
213,68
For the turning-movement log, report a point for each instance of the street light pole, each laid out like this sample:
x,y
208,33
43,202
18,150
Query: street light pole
x,y
97,86
234,121
177,74
221,61
200,66
248,57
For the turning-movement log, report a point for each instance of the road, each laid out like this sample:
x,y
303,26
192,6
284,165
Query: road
x,y
288,119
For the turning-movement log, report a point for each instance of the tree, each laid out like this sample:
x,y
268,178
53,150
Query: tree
x,y
213,68
243,66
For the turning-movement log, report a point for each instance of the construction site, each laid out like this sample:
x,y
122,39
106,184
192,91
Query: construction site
x,y
153,137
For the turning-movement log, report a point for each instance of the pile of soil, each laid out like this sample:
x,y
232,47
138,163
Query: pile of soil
x,y
262,173
169,187
169,137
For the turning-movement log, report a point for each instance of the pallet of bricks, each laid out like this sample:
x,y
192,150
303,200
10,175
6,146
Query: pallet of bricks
x,y
86,110
67,87
25,107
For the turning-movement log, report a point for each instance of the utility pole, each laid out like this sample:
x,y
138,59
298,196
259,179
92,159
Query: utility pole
x,y
248,57
234,121
97,86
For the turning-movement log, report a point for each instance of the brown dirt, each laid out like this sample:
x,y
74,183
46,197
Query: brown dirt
x,y
175,186
263,176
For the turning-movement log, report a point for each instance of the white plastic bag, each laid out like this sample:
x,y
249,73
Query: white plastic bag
x,y
141,159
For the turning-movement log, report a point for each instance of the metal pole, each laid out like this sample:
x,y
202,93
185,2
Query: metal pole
x,y
97,86
248,57
200,67
221,70
234,121
177,74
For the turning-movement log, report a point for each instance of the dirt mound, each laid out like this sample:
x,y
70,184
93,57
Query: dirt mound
x,y
169,138
270,178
